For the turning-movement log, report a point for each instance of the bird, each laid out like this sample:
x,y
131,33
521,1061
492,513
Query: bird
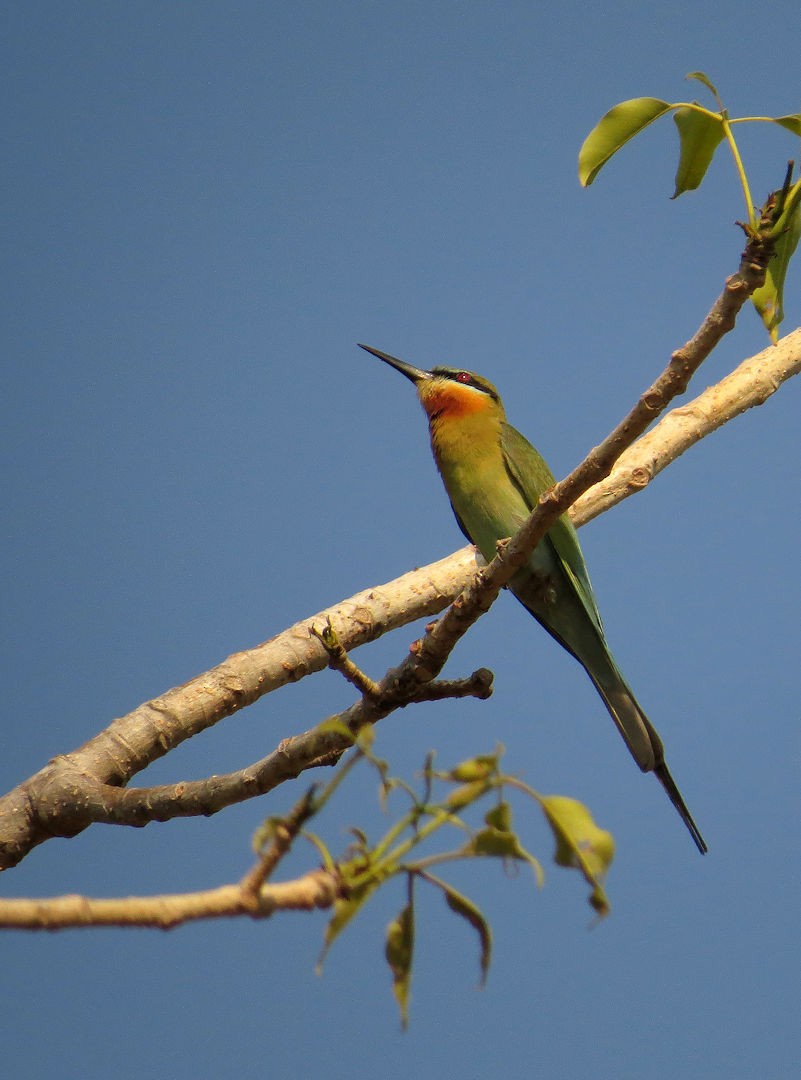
x,y
494,478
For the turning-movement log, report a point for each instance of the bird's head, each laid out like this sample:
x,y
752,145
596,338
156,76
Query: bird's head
x,y
446,393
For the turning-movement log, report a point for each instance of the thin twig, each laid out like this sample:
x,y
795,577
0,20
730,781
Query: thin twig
x,y
339,660
284,834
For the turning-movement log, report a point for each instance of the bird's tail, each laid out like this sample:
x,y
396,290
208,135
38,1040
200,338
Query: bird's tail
x,y
662,774
576,625
640,736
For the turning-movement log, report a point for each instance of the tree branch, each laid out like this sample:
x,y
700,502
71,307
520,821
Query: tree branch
x,y
318,889
84,786
749,385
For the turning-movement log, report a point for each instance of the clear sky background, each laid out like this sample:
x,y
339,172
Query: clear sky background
x,y
207,205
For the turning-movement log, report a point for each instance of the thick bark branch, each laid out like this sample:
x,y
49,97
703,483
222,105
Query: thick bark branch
x,y
749,385
84,786
75,789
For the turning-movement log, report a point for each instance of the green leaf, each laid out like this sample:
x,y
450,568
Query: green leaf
x,y
700,134
700,77
325,854
498,840
497,843
466,794
769,299
468,911
499,817
399,951
614,130
477,768
580,843
345,910
792,123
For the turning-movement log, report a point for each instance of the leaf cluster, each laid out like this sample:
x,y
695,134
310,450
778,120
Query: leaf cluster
x,y
437,813
701,131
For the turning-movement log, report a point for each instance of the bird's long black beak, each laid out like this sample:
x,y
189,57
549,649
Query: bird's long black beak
x,y
411,372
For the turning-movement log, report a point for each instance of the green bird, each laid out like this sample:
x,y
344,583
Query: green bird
x,y
494,478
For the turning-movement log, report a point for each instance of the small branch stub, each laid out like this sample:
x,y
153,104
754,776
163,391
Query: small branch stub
x,y
339,660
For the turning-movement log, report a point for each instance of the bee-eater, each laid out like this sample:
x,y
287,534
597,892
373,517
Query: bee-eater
x,y
494,478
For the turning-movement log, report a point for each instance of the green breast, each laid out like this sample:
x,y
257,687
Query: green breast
x,y
486,502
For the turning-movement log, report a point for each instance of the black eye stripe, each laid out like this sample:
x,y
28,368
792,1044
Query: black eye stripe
x,y
466,378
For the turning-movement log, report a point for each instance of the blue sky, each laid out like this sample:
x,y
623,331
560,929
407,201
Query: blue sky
x,y
207,206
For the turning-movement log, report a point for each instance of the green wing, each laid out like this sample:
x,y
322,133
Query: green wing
x,y
531,476
574,620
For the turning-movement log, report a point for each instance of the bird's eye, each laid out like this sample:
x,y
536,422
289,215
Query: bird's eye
x,y
464,377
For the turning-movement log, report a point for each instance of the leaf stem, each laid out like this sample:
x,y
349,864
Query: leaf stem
x,y
389,862
738,164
